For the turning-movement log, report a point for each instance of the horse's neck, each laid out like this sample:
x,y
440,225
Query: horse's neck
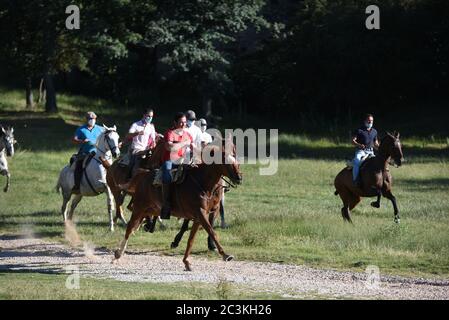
x,y
102,150
382,158
210,176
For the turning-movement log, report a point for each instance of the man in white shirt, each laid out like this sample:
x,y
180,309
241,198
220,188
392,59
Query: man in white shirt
x,y
195,132
143,136
206,138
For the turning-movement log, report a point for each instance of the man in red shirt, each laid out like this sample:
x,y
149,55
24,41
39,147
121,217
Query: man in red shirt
x,y
177,139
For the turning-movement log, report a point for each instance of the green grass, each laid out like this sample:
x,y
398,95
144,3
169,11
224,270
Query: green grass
x,y
291,217
40,286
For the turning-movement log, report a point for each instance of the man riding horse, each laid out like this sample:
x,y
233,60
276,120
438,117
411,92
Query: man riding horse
x,y
143,136
374,178
86,136
365,140
177,139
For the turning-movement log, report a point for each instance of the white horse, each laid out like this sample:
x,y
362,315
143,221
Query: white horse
x,y
6,149
93,180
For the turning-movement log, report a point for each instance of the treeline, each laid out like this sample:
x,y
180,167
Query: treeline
x,y
284,59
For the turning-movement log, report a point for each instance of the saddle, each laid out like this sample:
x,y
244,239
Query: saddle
x,y
86,160
178,175
349,164
124,160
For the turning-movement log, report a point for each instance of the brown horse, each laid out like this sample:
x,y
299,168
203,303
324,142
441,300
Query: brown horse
x,y
193,199
375,176
215,210
118,175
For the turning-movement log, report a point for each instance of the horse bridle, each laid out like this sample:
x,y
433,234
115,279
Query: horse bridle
x,y
107,139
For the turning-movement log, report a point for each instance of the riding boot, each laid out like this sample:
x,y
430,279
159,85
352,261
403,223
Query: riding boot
x,y
78,172
357,182
165,211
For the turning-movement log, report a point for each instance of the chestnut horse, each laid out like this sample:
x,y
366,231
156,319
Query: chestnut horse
x,y
375,176
215,210
193,199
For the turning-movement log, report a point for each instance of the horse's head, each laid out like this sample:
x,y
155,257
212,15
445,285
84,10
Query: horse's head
x,y
111,138
392,147
229,159
7,136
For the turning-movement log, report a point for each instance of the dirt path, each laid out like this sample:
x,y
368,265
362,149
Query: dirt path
x,y
35,255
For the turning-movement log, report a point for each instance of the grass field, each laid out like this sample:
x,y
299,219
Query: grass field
x,y
291,217
53,286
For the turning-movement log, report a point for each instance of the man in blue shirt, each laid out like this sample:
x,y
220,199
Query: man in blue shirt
x,y
365,139
86,136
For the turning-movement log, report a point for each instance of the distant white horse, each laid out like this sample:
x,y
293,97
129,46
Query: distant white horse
x,y
6,149
93,180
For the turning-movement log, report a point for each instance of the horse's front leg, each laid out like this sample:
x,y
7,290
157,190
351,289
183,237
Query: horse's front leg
x,y
8,179
376,204
110,199
387,194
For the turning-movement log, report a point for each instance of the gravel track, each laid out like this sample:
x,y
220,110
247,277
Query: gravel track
x,y
291,281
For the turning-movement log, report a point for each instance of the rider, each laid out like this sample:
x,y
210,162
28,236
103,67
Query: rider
x,y
86,136
206,138
365,139
143,136
177,139
195,132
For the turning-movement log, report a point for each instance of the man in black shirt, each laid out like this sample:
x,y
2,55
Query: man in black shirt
x,y
365,139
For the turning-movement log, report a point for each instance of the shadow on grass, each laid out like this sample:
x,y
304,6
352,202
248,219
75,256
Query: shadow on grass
x,y
38,131
292,151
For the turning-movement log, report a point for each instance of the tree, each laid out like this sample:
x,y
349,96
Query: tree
x,y
197,36
38,44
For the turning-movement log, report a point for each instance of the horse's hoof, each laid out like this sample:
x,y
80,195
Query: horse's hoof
x,y
397,220
375,204
5,190
227,257
212,249
117,254
188,267
173,245
149,227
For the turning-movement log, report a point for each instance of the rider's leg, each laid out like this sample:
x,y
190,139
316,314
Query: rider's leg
x,y
78,173
166,180
356,166
136,165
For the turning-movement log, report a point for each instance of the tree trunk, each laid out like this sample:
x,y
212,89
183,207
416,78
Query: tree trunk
x,y
42,92
50,103
207,106
29,94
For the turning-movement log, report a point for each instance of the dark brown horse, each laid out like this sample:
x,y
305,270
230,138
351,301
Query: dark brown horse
x,y
193,199
375,176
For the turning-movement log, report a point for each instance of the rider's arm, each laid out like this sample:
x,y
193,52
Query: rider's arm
x,y
78,138
133,132
175,146
355,143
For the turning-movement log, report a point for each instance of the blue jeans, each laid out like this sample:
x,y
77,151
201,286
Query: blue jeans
x,y
166,175
356,162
